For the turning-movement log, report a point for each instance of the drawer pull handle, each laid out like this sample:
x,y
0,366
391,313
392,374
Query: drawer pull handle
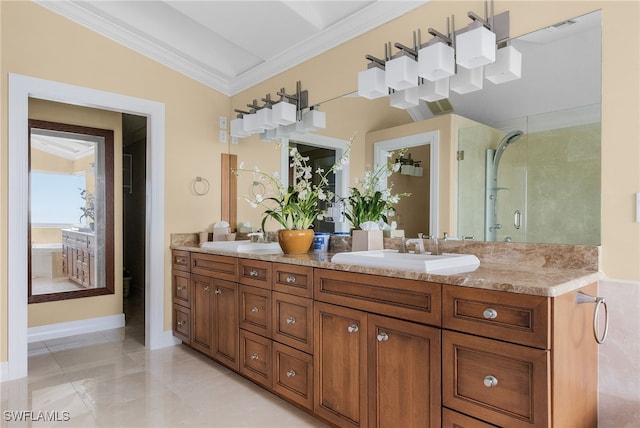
x,y
253,272
353,328
181,323
490,313
255,310
206,288
180,260
181,287
218,291
382,337
254,356
291,320
291,279
490,381
291,373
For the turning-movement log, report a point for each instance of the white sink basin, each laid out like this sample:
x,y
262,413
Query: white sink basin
x,y
445,264
244,246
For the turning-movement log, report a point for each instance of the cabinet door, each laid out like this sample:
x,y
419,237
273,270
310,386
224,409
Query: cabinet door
x,y
404,373
225,324
201,313
340,365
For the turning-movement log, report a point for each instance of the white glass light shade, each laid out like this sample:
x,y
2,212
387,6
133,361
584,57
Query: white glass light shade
x,y
286,131
237,128
434,91
405,98
371,83
265,119
466,80
508,66
401,73
314,120
476,47
283,113
407,169
418,171
268,135
436,61
250,124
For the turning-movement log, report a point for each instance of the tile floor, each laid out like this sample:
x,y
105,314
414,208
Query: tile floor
x,y
109,379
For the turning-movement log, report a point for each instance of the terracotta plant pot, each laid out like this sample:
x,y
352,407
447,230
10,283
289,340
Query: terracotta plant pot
x,y
295,241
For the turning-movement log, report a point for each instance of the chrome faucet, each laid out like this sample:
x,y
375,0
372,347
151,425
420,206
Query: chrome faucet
x,y
419,245
434,238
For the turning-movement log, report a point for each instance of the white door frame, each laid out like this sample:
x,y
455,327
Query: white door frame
x,y
20,89
431,138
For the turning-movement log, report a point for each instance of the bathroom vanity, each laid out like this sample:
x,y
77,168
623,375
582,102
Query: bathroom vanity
x,y
78,257
506,345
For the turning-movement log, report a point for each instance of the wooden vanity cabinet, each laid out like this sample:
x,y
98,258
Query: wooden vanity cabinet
x,y
181,295
214,308
78,255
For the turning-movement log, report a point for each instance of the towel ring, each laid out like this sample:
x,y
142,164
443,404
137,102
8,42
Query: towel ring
x,y
599,301
195,182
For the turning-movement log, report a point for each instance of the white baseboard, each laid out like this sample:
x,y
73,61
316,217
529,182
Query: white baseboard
x,y
168,339
71,328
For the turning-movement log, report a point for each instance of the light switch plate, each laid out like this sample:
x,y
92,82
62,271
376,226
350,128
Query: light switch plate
x,y
223,137
234,140
223,122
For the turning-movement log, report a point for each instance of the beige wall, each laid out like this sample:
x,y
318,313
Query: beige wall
x,y
38,43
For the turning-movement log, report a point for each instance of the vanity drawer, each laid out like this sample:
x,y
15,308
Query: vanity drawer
x,y
255,272
451,419
255,309
406,299
181,260
182,323
181,289
511,317
293,374
293,321
255,358
498,382
213,266
292,279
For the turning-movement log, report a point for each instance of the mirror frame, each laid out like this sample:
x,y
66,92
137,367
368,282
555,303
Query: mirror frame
x,y
109,287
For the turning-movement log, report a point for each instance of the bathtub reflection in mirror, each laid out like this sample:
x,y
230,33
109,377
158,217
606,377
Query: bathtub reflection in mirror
x,y
71,211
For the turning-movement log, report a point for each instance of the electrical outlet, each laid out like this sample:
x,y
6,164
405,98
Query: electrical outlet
x,y
223,122
223,137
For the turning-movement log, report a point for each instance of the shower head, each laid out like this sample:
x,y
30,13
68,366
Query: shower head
x,y
511,137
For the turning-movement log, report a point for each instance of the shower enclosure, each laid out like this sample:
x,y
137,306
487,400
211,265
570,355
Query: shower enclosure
x,y
492,188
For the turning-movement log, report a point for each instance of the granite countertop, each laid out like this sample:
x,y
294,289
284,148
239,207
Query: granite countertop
x,y
538,276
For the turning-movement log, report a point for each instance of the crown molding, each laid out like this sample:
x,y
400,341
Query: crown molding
x,y
368,18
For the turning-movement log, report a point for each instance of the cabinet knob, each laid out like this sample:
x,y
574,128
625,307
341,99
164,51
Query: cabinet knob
x,y
254,356
180,260
180,287
253,272
490,381
255,309
490,313
382,337
291,320
206,288
291,279
291,373
218,291
353,328
181,323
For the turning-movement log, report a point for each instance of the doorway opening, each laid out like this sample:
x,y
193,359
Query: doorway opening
x,y
134,160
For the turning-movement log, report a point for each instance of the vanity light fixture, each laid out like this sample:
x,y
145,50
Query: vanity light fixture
x,y
278,119
454,61
466,80
508,66
436,59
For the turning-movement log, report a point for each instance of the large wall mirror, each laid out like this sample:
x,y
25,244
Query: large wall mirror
x,y
71,220
556,104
